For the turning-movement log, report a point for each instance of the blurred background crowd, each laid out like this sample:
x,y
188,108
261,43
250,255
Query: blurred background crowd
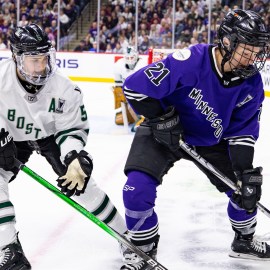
x,y
110,26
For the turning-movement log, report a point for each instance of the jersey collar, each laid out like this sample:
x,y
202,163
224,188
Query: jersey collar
x,y
226,81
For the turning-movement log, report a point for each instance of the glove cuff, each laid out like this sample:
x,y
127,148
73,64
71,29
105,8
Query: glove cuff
x,y
84,159
250,176
70,156
170,111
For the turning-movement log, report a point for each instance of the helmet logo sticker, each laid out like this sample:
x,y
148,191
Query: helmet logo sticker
x,y
182,55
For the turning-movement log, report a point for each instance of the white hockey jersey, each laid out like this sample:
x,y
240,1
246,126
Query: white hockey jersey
x,y
121,72
56,109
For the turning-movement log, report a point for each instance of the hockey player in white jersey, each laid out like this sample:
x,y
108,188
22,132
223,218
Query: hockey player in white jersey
x,y
130,63
43,110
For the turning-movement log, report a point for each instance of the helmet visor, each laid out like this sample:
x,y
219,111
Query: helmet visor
x,y
36,67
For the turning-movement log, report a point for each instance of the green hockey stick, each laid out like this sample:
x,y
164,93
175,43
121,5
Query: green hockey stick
x,y
153,263
217,173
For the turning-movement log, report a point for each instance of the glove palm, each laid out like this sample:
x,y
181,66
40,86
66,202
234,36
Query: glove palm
x,y
75,176
79,169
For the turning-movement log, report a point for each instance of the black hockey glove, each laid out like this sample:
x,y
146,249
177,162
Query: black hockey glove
x,y
79,169
7,150
167,129
249,183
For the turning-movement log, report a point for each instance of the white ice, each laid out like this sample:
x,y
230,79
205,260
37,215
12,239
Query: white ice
x,y
194,228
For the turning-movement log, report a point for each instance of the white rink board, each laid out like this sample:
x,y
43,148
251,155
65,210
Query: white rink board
x,y
99,67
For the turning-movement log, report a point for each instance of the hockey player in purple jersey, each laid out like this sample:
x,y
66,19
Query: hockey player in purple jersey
x,y
211,96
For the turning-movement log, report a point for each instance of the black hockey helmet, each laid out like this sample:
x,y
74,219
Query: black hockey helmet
x,y
29,42
29,38
247,28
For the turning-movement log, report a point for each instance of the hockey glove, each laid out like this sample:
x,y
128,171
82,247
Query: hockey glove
x,y
249,183
167,129
79,169
7,150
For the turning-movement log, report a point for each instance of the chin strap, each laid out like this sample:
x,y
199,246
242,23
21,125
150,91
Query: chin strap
x,y
29,87
225,58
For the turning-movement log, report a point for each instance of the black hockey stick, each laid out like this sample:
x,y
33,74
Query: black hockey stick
x,y
153,263
217,173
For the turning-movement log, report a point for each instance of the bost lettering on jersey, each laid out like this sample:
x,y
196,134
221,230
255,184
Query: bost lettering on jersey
x,y
21,123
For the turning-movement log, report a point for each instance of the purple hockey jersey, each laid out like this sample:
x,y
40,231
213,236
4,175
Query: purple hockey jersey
x,y
210,108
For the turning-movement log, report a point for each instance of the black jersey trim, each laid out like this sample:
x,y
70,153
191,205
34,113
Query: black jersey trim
x,y
224,83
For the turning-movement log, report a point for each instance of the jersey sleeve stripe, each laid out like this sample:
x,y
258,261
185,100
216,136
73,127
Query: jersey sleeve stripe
x,y
133,95
71,130
242,140
242,143
59,142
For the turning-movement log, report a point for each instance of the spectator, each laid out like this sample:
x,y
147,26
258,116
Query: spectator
x,y
71,13
123,42
64,22
118,48
93,29
143,48
108,48
185,36
154,36
7,4
23,21
31,16
180,14
94,48
53,28
127,14
6,15
50,35
80,47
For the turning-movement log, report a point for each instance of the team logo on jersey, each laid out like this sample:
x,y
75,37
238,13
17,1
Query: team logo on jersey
x,y
182,55
61,103
246,100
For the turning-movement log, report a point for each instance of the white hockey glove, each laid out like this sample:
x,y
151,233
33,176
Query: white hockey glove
x,y
79,169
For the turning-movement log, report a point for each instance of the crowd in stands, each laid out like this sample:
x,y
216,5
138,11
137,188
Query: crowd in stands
x,y
117,23
42,12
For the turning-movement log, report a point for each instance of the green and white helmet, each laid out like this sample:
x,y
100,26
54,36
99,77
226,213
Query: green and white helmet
x,y
131,57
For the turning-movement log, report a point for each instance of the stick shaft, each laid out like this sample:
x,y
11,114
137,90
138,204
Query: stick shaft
x,y
217,173
153,263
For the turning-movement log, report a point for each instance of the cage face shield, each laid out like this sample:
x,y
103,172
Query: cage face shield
x,y
36,67
247,60
248,42
33,54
